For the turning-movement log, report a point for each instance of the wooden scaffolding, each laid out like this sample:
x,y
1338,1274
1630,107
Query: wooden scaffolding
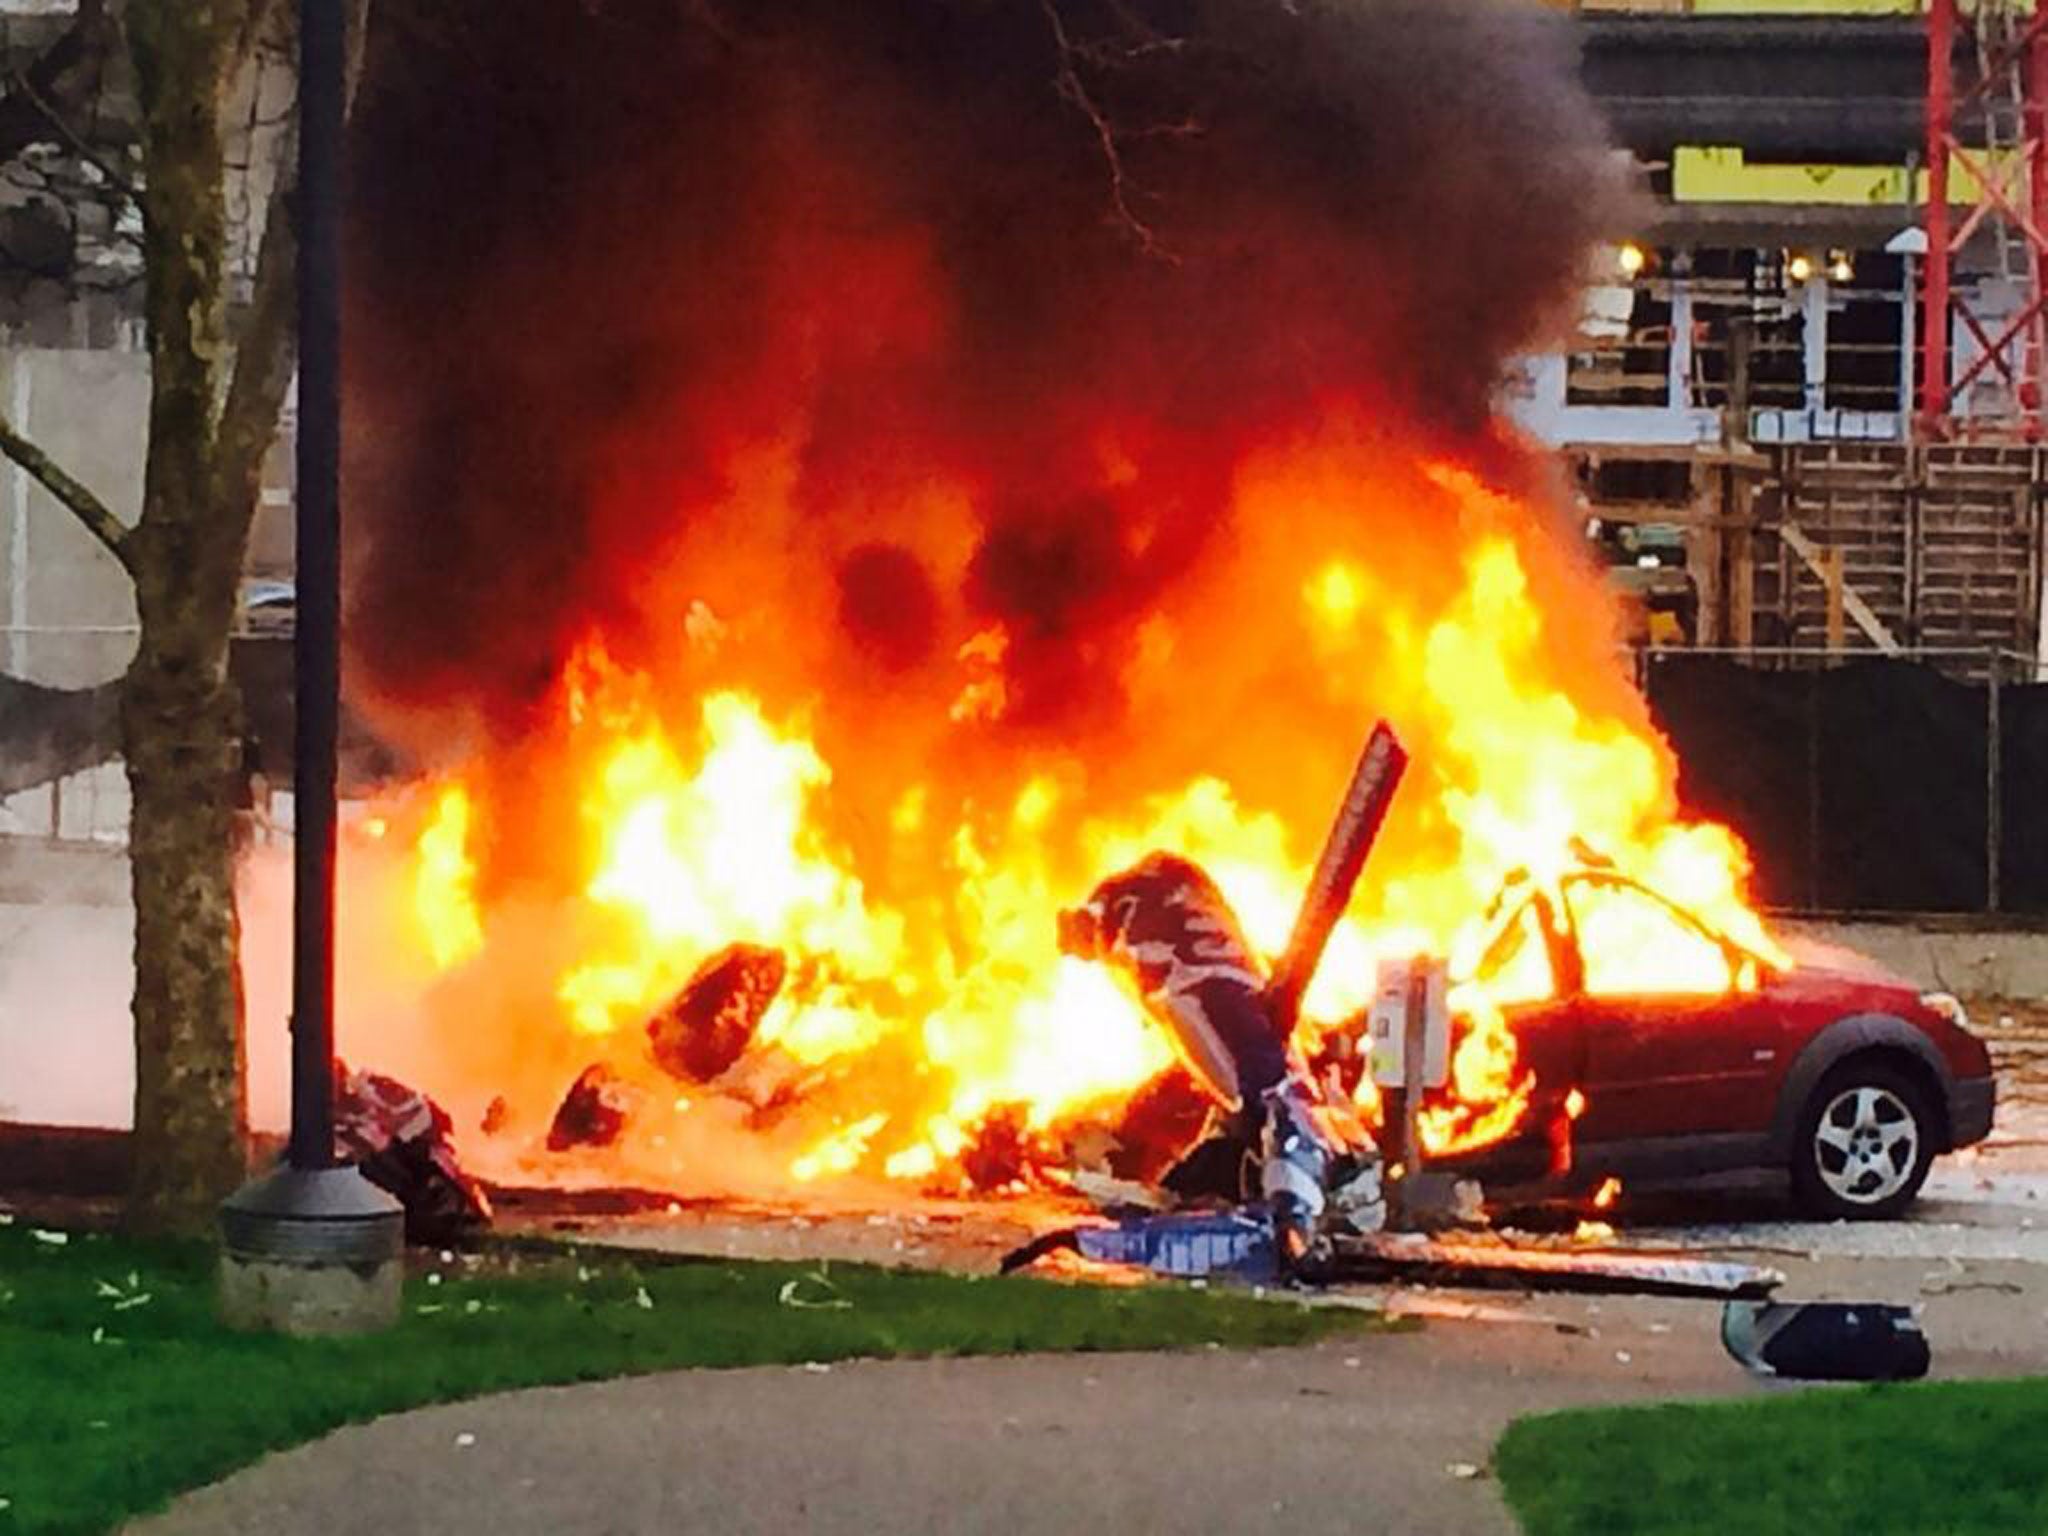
x,y
1928,550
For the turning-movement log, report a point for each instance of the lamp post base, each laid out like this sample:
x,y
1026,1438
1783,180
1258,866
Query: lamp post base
x,y
311,1253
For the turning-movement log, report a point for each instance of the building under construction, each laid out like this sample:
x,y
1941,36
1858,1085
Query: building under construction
x,y
1806,402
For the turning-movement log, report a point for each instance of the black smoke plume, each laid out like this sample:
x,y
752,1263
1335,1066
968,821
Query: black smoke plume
x,y
1066,259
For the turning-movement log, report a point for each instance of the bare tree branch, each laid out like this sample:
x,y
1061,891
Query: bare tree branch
x,y
358,50
120,180
267,350
61,79
1068,82
99,521
255,25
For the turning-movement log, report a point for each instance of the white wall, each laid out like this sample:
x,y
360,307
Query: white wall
x,y
67,614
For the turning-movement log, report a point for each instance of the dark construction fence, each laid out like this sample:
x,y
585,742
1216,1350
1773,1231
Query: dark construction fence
x,y
1867,785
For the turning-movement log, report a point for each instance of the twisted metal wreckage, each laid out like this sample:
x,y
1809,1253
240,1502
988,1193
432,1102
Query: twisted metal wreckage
x,y
1305,1192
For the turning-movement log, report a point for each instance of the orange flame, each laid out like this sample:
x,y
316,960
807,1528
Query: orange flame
x,y
909,874
444,886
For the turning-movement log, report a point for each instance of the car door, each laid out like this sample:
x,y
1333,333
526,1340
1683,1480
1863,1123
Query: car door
x,y
1518,975
1676,1044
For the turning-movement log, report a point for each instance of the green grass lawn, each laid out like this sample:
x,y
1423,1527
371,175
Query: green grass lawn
x,y
1932,1459
118,1388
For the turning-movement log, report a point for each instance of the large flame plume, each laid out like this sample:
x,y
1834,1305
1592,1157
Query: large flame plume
x,y
913,461
668,821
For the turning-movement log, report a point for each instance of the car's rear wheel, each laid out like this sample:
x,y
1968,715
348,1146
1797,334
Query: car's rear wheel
x,y
1865,1141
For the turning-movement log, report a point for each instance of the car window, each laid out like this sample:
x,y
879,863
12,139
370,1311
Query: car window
x,y
1630,942
1516,965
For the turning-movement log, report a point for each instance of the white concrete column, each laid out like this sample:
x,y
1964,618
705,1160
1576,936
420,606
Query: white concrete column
x,y
1678,391
21,400
1815,305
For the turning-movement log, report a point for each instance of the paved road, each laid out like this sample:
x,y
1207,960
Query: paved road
x,y
1348,1436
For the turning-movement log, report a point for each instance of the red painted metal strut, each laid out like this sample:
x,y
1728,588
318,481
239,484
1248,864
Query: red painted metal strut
x,y
2011,201
1934,390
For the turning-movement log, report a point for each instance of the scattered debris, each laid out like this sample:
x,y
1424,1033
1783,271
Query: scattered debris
x,y
124,1298
402,1141
1003,1151
1937,1286
1432,1200
792,1294
1238,1244
1159,1123
1422,1304
1185,1244
1826,1340
707,1026
1472,1261
593,1112
1114,1196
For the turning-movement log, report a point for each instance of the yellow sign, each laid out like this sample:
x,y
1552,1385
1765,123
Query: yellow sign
x,y
1724,176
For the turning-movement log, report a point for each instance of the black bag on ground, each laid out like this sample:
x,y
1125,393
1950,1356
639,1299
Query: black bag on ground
x,y
1826,1340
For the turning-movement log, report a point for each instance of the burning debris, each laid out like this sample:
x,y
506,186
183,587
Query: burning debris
x,y
593,1112
705,1028
1165,922
1155,1130
1004,1153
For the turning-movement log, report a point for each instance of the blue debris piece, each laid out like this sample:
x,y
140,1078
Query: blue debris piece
x,y
1187,1244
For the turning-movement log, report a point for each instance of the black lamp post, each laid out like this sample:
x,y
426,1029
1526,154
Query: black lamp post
x,y
314,1247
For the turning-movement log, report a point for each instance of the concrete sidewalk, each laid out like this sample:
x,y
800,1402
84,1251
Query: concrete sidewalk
x,y
1353,1435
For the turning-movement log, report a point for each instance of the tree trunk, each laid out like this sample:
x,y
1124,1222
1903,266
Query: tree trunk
x,y
179,720
179,735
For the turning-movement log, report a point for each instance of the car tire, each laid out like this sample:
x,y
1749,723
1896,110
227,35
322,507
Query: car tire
x,y
1864,1142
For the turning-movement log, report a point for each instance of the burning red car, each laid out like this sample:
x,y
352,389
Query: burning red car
x,y
1664,1048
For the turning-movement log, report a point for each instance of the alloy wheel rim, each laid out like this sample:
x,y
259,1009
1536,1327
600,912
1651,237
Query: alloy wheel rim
x,y
1866,1145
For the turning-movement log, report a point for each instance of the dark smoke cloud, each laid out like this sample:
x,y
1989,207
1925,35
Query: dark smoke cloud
x,y
888,606
597,248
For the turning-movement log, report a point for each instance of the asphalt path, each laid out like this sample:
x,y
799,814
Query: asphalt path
x,y
1388,1433
1383,1432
